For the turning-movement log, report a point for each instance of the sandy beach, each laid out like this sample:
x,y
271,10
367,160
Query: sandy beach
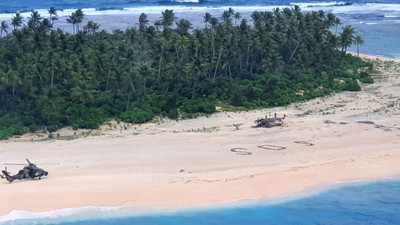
x,y
344,137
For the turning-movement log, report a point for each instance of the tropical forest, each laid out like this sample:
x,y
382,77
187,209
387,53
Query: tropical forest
x,y
52,78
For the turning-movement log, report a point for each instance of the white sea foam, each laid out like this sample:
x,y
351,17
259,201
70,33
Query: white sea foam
x,y
75,213
319,4
187,1
366,8
392,16
136,10
335,7
85,213
387,10
368,23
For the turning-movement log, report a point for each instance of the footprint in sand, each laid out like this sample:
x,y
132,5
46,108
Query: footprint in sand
x,y
306,143
272,147
241,151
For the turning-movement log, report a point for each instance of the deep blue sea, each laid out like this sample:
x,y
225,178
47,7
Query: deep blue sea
x,y
24,5
378,21
375,203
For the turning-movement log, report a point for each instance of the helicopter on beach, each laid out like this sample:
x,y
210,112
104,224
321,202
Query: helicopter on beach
x,y
29,171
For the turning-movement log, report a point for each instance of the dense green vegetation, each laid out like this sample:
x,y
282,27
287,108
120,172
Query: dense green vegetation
x,y
50,78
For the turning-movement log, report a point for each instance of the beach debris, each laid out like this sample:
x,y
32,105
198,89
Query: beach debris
x,y
29,171
270,121
366,122
329,122
241,151
272,147
237,125
306,143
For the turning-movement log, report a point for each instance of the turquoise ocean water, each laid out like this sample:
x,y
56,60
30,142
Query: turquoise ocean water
x,y
361,203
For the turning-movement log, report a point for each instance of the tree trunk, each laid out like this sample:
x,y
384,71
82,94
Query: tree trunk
x,y
144,87
108,80
52,76
160,62
13,90
129,95
240,62
247,57
216,66
194,87
294,51
213,44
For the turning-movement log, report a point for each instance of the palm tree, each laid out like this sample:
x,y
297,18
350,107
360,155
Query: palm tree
x,y
237,17
214,22
73,20
76,18
91,27
331,20
34,20
183,26
143,21
16,20
337,22
167,19
79,17
347,37
226,15
53,14
3,27
207,19
358,40
195,69
45,25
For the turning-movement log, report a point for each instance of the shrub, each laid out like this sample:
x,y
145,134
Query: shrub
x,y
137,115
364,74
203,105
91,119
351,85
367,80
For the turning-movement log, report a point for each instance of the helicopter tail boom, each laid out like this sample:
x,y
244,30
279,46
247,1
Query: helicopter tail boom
x,y
7,176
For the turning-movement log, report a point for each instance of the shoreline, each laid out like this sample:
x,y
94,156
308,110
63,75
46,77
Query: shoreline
x,y
105,212
375,58
189,163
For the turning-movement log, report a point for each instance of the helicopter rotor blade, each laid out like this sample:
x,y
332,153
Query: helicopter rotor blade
x,y
22,164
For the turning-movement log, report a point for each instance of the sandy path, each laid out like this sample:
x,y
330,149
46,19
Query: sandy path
x,y
344,137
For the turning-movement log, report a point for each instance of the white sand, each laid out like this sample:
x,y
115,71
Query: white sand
x,y
190,162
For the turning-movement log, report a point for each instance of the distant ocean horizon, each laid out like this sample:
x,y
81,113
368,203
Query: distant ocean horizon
x,y
353,203
378,21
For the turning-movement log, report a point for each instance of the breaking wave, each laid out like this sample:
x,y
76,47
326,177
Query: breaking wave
x,y
23,217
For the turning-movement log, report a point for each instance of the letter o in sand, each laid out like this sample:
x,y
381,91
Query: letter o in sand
x,y
241,151
272,147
